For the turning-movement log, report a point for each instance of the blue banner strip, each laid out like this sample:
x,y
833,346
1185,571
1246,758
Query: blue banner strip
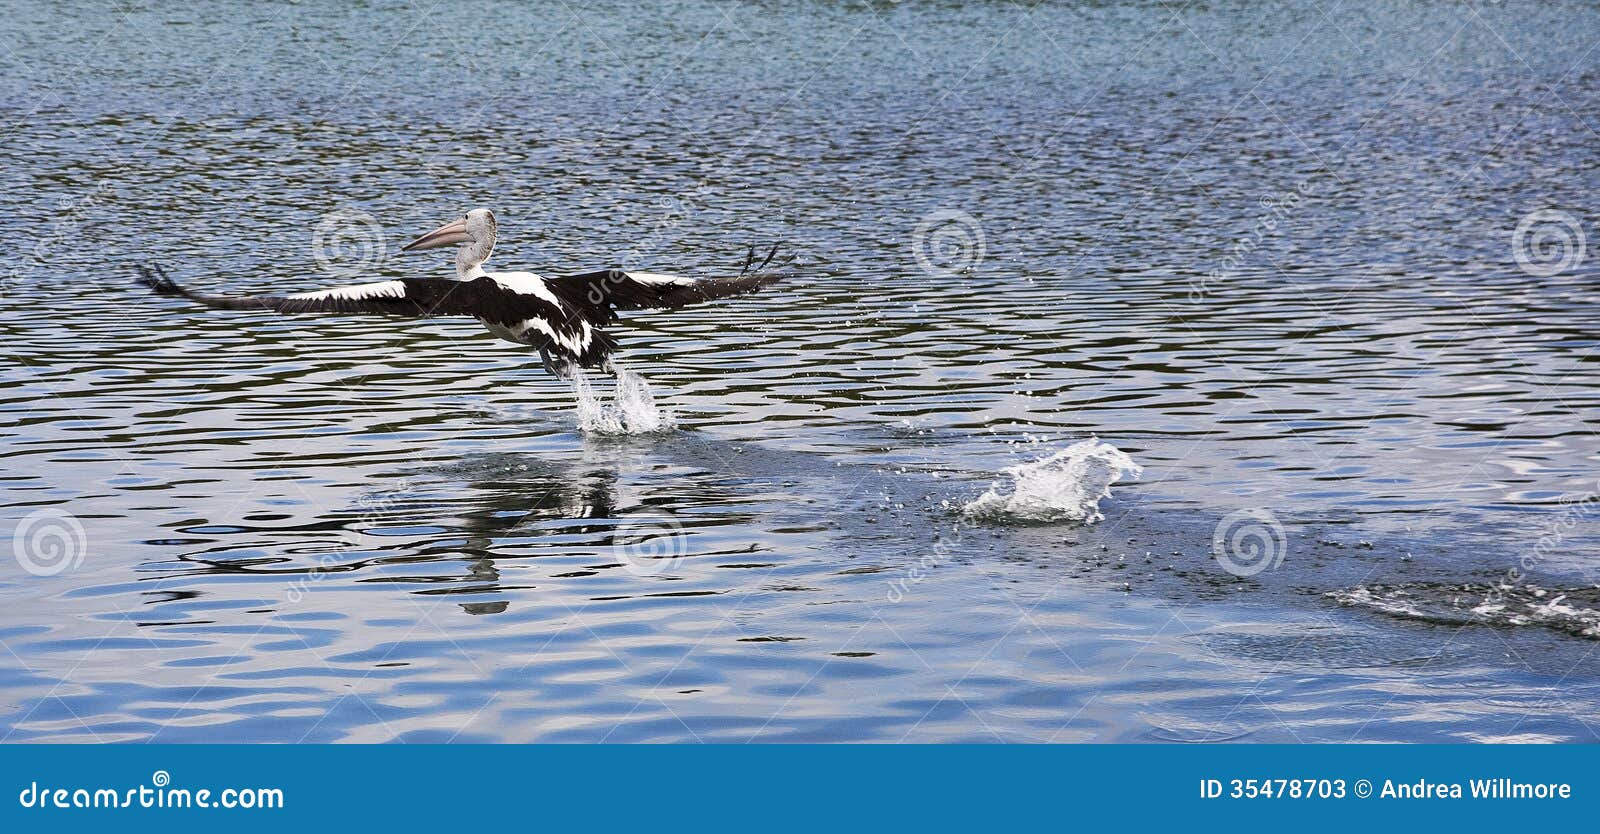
x,y
790,788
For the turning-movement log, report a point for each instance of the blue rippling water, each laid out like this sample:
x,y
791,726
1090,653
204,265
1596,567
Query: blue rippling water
x,y
1325,271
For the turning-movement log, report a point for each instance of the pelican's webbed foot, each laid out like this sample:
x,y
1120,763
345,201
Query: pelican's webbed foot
x,y
155,277
750,259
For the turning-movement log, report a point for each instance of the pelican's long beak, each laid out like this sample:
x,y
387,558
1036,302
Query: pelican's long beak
x,y
449,234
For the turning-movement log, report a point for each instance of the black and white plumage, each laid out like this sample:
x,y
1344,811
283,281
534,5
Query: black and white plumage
x,y
562,316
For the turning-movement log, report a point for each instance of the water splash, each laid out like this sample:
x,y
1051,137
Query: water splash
x,y
633,408
1066,486
1575,611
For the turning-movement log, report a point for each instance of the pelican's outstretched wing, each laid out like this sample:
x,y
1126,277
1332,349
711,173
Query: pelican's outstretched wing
x,y
601,294
413,297
535,316
405,297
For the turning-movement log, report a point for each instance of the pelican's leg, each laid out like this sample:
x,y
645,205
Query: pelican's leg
x,y
558,366
770,252
750,258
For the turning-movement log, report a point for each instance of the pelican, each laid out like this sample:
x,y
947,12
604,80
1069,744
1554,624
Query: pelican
x,y
561,316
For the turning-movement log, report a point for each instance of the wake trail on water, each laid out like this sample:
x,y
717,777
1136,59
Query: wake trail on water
x,y
632,409
1575,611
1065,486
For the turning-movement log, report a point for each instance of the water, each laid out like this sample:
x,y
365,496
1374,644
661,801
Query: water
x,y
1269,254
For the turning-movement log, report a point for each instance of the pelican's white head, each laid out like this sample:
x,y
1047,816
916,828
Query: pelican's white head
x,y
473,233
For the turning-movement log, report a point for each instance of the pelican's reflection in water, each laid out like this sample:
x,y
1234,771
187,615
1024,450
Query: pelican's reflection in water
x,y
507,499
493,524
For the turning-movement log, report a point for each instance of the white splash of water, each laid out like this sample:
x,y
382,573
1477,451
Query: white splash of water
x,y
1572,610
1066,486
633,408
